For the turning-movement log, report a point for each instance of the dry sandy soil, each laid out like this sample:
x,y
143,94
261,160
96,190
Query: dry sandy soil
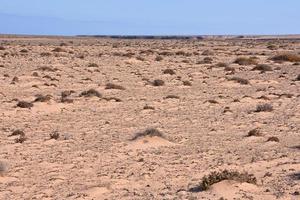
x,y
203,114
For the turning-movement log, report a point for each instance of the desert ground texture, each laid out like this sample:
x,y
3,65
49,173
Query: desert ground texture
x,y
101,118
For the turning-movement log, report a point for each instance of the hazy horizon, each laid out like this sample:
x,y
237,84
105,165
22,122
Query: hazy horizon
x,y
141,17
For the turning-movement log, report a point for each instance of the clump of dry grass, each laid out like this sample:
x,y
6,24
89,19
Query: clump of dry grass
x,y
254,132
3,168
147,107
91,93
207,53
158,58
23,51
228,68
17,132
92,65
265,107
169,71
172,96
65,96
273,139
24,104
45,54
21,139
221,64
186,83
262,68
54,135
246,61
286,57
150,132
42,98
239,80
58,49
110,86
158,82
216,177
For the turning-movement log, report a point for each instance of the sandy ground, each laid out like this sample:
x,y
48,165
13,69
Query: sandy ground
x,y
205,127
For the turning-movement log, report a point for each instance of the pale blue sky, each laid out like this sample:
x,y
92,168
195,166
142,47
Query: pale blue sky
x,y
149,17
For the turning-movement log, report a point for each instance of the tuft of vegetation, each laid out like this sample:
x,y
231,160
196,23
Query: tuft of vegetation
x,y
91,93
110,86
24,104
42,98
172,96
169,71
58,49
45,54
286,57
216,177
158,82
158,58
221,64
54,135
228,68
17,132
266,107
150,132
3,168
65,96
21,139
262,68
254,132
239,80
147,107
187,83
273,139
207,53
92,65
246,61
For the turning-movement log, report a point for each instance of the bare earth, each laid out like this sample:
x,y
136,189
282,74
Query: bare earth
x,y
205,121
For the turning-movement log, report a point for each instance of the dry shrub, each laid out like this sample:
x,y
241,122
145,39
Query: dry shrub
x,y
91,93
298,77
150,132
24,104
266,107
254,132
246,61
228,68
110,86
147,107
58,49
46,68
216,177
207,53
45,54
172,96
273,139
21,139
24,51
186,83
206,60
262,68
42,98
54,135
169,71
17,132
158,82
286,57
159,58
239,80
221,64
140,58
92,65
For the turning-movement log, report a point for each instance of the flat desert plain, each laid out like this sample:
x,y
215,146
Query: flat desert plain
x,y
100,118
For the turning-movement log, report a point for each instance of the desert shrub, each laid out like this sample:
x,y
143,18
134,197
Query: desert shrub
x,y
262,68
21,139
158,82
3,168
212,101
23,51
228,68
147,107
58,49
16,132
246,61
266,107
159,58
45,54
54,135
169,71
24,104
254,132
273,139
150,132
46,68
207,60
140,58
298,77
172,96
207,53
272,47
110,86
216,177
42,98
221,64
288,57
186,83
91,93
92,65
239,80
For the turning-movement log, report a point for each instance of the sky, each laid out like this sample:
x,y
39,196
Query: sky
x,y
150,17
